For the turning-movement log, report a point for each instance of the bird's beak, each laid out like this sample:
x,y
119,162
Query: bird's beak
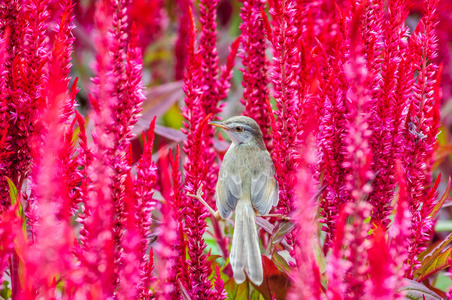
x,y
219,124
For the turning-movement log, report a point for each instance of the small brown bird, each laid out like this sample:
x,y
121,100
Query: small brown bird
x,y
246,183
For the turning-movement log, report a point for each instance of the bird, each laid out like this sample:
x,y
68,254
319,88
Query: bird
x,y
247,185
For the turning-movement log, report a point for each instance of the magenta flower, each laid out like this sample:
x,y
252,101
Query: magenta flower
x,y
98,245
420,135
284,77
133,259
307,273
25,54
182,38
214,86
179,271
400,233
330,140
379,285
255,62
390,98
145,182
196,170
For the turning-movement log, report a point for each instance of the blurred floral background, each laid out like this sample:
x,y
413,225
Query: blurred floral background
x,y
104,112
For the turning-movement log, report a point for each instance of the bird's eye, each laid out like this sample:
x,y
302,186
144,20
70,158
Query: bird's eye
x,y
239,128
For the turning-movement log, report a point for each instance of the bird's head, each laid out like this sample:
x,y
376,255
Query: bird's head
x,y
241,130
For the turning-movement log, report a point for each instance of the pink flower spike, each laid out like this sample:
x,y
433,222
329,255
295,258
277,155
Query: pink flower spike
x,y
380,272
331,141
198,172
389,97
145,204
226,71
306,275
182,38
179,271
421,128
400,232
284,79
130,276
255,77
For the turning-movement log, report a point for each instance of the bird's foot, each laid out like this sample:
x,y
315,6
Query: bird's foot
x,y
199,193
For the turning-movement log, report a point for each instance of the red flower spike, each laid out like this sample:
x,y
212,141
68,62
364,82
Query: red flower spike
x,y
182,38
255,65
306,275
130,275
400,232
5,146
179,271
420,134
213,86
390,99
336,268
144,206
380,272
198,144
24,50
98,246
284,79
331,138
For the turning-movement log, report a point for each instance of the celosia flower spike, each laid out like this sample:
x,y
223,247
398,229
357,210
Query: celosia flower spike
x,y
98,245
182,38
145,204
400,232
255,65
387,116
196,145
130,275
209,56
420,133
213,87
5,146
179,271
306,274
284,78
379,286
357,160
330,140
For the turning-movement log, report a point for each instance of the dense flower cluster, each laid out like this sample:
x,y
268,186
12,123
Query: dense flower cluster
x,y
255,65
347,96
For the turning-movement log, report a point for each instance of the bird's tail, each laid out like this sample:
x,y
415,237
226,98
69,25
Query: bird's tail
x,y
245,252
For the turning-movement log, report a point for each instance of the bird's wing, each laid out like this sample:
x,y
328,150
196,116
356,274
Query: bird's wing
x,y
228,192
264,187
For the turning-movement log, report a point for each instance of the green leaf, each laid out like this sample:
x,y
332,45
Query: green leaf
x,y
417,291
12,191
440,262
434,260
5,291
281,263
255,295
213,257
237,291
279,233
14,195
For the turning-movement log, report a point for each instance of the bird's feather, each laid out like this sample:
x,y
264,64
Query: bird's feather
x,y
245,253
228,192
264,187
